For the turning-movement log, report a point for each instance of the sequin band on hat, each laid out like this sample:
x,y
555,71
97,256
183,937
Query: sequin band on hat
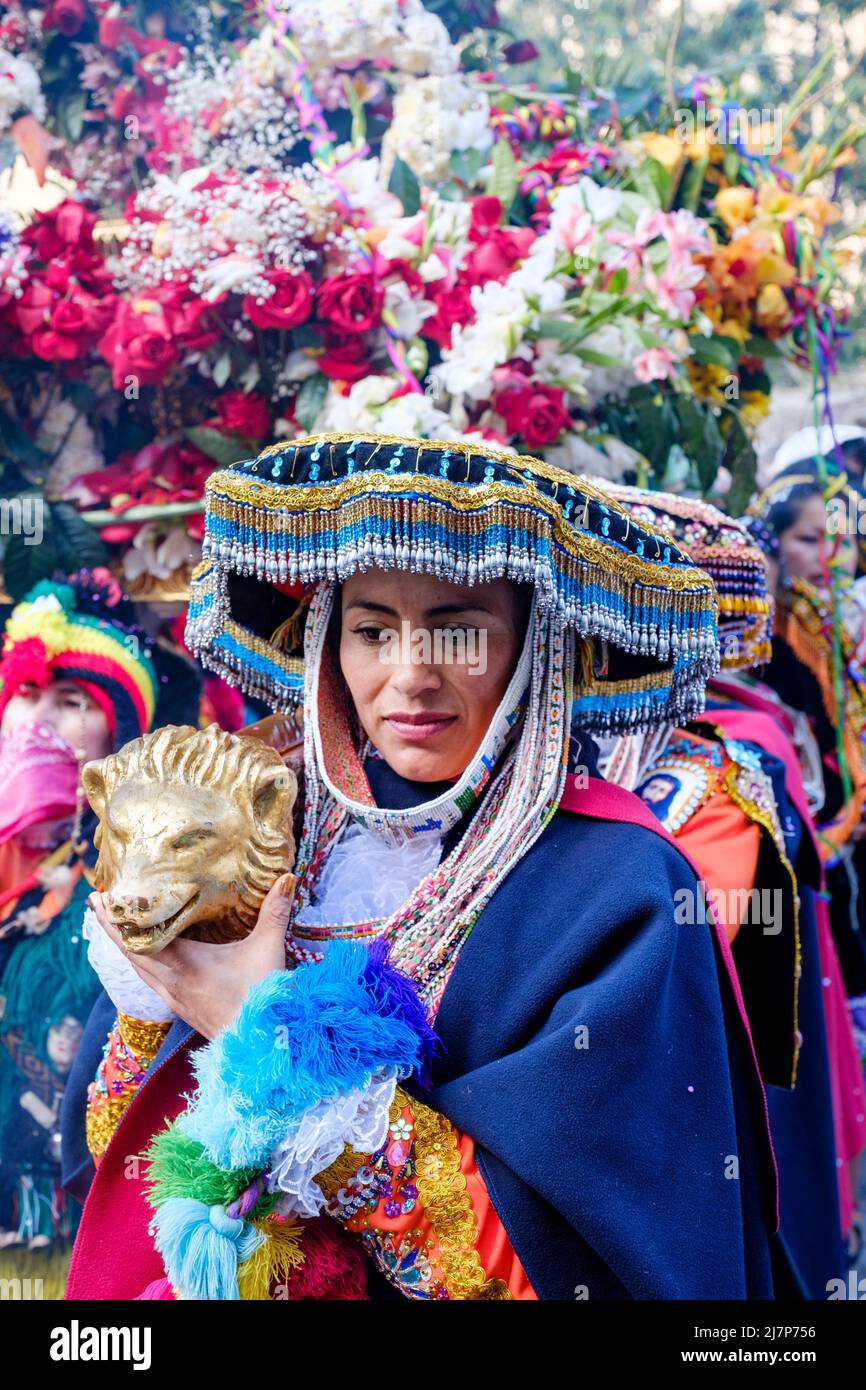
x,y
724,548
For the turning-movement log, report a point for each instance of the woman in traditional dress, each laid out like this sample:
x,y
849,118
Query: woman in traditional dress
x,y
587,1120
76,680
816,676
742,814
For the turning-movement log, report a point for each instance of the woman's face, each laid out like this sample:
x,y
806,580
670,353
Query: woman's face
x,y
63,1041
806,546
68,709
427,663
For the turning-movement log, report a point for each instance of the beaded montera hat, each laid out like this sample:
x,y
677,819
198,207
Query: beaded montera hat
x,y
725,549
319,508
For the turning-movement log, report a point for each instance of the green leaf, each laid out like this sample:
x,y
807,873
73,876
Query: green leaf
x,y
731,164
466,165
549,327
82,396
224,449
27,559
656,427
653,181
309,400
19,446
693,182
740,459
356,106
404,183
700,439
504,178
597,359
79,545
717,350
761,347
70,114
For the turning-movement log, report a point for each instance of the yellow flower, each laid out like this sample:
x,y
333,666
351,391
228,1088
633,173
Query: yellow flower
x,y
734,328
708,380
667,150
775,202
702,145
735,206
772,311
754,406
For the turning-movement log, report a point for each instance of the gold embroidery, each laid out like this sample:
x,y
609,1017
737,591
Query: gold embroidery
x,y
331,1179
142,1038
760,815
101,1120
447,1205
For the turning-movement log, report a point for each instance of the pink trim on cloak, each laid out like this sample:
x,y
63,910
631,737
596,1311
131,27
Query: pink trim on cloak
x,y
847,1084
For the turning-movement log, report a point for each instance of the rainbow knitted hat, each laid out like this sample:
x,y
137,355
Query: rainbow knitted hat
x,y
51,633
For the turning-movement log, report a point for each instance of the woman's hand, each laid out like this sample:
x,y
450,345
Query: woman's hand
x,y
205,984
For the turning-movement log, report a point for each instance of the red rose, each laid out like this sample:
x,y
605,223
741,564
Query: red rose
x,y
486,216
33,309
67,16
452,306
290,304
138,344
187,317
123,101
53,347
239,413
55,232
536,413
112,30
351,303
345,357
497,255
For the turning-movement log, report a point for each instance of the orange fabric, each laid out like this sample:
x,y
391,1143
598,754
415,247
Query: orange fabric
x,y
410,1236
725,845
495,1250
16,863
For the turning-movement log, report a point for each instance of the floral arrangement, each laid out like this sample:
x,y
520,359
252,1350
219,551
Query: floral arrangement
x,y
320,217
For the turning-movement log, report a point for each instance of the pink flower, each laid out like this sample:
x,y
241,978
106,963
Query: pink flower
x,y
654,364
576,230
684,232
673,288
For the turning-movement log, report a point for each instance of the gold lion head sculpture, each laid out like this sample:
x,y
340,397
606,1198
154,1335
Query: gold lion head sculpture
x,y
194,827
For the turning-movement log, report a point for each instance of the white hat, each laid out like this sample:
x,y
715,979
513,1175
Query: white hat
x,y
809,442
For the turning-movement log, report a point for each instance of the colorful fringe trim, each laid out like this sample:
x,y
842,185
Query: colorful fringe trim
x,y
303,1042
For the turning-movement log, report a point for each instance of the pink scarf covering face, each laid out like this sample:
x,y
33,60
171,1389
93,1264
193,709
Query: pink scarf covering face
x,y
38,778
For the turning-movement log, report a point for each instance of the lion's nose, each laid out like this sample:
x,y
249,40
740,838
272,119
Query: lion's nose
x,y
120,909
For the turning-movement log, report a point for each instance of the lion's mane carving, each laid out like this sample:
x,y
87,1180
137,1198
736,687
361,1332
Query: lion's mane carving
x,y
195,826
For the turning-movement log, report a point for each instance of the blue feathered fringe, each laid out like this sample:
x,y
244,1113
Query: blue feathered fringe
x,y
201,1247
300,1037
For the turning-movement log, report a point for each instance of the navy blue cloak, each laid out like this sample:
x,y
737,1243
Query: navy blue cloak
x,y
629,1160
